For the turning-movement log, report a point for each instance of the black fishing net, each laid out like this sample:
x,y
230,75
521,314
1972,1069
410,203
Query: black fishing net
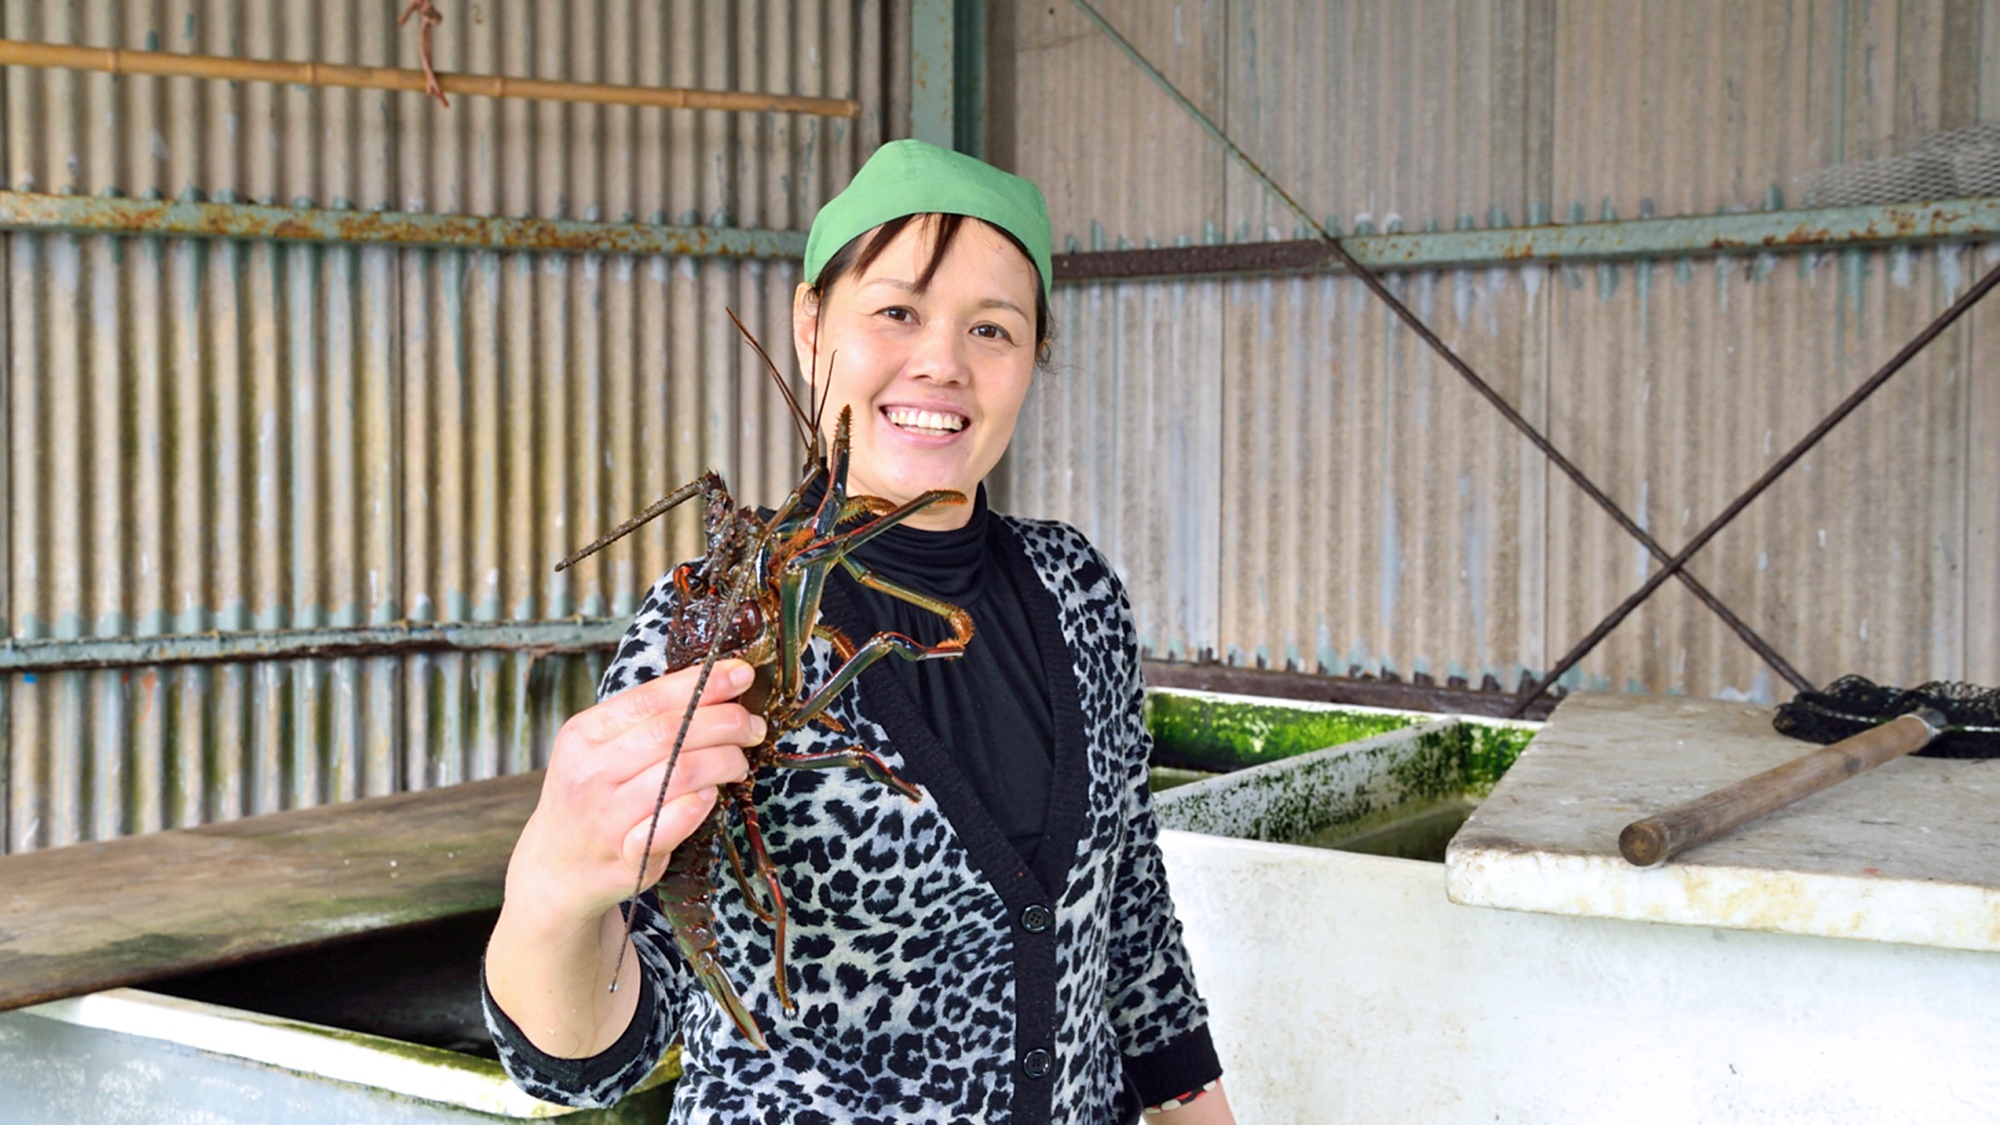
x,y
1852,704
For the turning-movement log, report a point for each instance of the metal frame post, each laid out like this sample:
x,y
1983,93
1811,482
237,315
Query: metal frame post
x,y
948,74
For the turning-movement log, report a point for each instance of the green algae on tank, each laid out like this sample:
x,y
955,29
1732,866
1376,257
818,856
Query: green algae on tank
x,y
1216,733
1352,779
1490,749
1288,800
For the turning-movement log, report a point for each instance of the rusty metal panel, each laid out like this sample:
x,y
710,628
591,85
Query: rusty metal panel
x,y
547,399
1364,495
1120,163
1694,108
1378,516
103,754
1287,479
150,137
1797,230
1982,533
234,435
1381,117
205,436
206,441
1676,384
1447,114
1122,436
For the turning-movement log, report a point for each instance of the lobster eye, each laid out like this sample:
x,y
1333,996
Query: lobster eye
x,y
749,622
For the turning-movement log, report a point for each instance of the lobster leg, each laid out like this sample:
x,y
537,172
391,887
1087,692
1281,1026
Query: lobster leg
x,y
883,644
753,831
838,545
842,646
854,757
961,621
878,646
766,913
687,898
858,506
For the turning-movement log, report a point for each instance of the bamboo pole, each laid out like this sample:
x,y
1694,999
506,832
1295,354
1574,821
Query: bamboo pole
x,y
14,52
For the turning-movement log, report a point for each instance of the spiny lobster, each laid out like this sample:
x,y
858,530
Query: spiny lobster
x,y
755,595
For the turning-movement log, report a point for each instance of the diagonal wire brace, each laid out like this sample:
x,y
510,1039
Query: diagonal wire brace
x,y
1847,406
1485,390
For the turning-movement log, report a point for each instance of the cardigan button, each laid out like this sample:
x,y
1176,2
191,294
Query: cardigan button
x,y
1036,918
1036,1063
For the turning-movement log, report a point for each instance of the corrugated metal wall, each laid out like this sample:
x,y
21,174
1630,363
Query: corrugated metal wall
x,y
206,435
1291,479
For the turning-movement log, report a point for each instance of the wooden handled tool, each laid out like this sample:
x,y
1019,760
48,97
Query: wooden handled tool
x,y
1654,840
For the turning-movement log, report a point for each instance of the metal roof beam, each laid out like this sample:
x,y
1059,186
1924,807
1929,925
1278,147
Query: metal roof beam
x,y
88,214
1825,228
1747,232
67,655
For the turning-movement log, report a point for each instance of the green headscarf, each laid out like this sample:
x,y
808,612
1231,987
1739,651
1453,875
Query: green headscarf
x,y
915,178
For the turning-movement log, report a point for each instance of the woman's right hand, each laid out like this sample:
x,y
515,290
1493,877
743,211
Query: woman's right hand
x,y
579,853
559,933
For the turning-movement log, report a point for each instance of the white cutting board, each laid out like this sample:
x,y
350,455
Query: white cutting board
x,y
1909,852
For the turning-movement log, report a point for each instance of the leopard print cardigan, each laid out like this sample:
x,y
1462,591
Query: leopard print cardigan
x,y
938,977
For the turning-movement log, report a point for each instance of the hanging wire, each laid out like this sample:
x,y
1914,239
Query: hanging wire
x,y
428,17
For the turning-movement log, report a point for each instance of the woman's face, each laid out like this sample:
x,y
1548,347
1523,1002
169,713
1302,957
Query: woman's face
x,y
935,379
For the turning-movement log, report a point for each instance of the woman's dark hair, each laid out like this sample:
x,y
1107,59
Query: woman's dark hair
x,y
856,257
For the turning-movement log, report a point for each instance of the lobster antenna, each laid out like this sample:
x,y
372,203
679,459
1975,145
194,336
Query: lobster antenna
x,y
825,398
791,400
812,382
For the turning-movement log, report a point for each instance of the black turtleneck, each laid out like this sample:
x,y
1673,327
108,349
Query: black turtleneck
x,y
990,708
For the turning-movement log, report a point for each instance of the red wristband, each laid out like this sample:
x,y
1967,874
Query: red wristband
x,y
1177,1102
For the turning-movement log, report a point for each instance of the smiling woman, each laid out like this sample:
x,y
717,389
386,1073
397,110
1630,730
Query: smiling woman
x,y
1004,948
931,332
